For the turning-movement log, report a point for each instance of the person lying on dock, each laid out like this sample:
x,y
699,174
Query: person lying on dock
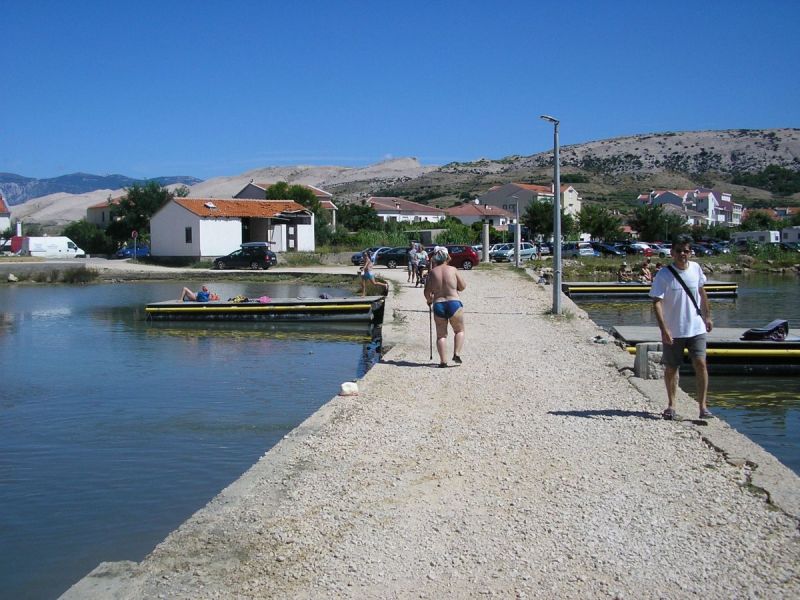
x,y
202,295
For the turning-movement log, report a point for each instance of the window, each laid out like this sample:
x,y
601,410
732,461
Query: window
x,y
188,235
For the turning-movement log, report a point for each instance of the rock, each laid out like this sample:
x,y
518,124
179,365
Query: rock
x,y
12,278
349,388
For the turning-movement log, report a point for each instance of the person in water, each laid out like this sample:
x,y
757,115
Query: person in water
x,y
442,286
202,295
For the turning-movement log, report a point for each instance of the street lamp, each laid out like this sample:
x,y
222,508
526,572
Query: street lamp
x,y
516,231
556,218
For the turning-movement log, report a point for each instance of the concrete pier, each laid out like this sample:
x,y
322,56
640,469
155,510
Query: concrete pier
x,y
537,469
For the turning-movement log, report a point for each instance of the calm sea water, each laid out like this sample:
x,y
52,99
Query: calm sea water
x,y
114,430
766,409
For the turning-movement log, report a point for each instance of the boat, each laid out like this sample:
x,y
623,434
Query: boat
x,y
364,309
635,289
726,351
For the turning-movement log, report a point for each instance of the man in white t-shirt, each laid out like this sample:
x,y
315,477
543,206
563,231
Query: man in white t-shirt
x,y
683,321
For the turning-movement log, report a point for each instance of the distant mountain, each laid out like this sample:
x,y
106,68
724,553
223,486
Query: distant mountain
x,y
17,189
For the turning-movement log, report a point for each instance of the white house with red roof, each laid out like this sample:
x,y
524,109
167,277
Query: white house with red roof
x,y
400,209
715,206
210,227
5,215
100,214
518,196
258,191
474,212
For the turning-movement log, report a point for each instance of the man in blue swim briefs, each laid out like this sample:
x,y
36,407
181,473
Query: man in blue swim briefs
x,y
441,292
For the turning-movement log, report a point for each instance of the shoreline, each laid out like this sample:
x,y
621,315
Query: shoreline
x,y
330,507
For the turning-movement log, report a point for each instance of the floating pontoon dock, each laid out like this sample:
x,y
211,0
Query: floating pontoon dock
x,y
366,309
726,353
633,289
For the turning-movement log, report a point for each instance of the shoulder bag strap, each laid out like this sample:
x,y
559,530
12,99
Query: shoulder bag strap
x,y
684,286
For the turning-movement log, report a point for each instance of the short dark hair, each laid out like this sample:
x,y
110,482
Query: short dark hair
x,y
683,239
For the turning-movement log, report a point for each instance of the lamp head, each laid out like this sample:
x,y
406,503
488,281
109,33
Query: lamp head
x,y
549,118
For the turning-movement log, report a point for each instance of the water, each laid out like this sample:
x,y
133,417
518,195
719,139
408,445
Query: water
x,y
114,430
766,409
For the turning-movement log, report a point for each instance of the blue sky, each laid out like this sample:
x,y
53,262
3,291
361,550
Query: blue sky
x,y
211,88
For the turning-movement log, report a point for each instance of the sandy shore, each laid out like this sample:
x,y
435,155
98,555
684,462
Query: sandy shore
x,y
538,469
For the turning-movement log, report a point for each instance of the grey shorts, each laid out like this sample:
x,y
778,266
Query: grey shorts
x,y
673,354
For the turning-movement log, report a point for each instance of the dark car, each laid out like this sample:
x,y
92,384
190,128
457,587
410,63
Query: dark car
x,y
392,257
358,257
127,252
254,255
607,249
701,250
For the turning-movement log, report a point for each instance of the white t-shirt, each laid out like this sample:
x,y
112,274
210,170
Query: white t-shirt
x,y
680,315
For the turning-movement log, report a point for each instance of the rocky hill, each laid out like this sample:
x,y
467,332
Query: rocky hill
x,y
613,170
17,189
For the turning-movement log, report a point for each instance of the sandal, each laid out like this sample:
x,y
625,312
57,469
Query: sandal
x,y
706,414
668,414
456,359
442,365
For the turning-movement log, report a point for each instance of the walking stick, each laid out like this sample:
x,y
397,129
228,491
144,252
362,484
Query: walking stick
x,y
430,328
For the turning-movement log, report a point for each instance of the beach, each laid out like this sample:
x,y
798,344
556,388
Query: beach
x,y
538,468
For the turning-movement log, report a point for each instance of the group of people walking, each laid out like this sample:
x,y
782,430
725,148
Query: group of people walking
x,y
680,304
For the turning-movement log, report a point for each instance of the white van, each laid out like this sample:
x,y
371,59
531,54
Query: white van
x,y
57,246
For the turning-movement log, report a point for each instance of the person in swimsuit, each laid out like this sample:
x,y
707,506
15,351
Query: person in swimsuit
x,y
442,286
203,295
367,276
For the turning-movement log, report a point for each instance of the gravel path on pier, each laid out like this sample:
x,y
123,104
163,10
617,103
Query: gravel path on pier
x,y
535,470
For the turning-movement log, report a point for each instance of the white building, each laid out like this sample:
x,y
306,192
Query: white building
x,y
514,197
400,209
100,214
5,215
209,227
715,206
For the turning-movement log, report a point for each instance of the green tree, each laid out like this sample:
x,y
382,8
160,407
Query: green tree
x,y
135,209
538,218
299,193
758,220
598,222
653,223
181,192
359,216
89,237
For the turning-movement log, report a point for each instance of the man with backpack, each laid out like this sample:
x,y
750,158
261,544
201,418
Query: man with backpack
x,y
683,313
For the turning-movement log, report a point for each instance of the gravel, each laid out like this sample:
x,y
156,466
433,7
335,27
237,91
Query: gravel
x,y
535,470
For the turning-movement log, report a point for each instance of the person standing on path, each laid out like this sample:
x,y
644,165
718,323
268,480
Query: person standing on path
x,y
412,262
442,286
684,321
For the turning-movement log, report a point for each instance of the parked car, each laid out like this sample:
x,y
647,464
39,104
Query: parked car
x,y
358,257
660,249
498,248
607,249
392,257
527,251
462,256
787,246
128,252
718,248
253,255
701,250
638,248
578,249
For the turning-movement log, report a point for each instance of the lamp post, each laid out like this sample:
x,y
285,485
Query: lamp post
x,y
516,231
556,218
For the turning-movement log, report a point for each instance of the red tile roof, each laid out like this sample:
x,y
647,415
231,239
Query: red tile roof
x,y
106,203
389,203
216,207
536,188
3,206
477,210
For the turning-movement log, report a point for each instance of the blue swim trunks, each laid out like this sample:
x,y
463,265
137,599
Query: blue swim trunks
x,y
368,275
447,308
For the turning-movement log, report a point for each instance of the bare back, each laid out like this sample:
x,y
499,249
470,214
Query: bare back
x,y
443,283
